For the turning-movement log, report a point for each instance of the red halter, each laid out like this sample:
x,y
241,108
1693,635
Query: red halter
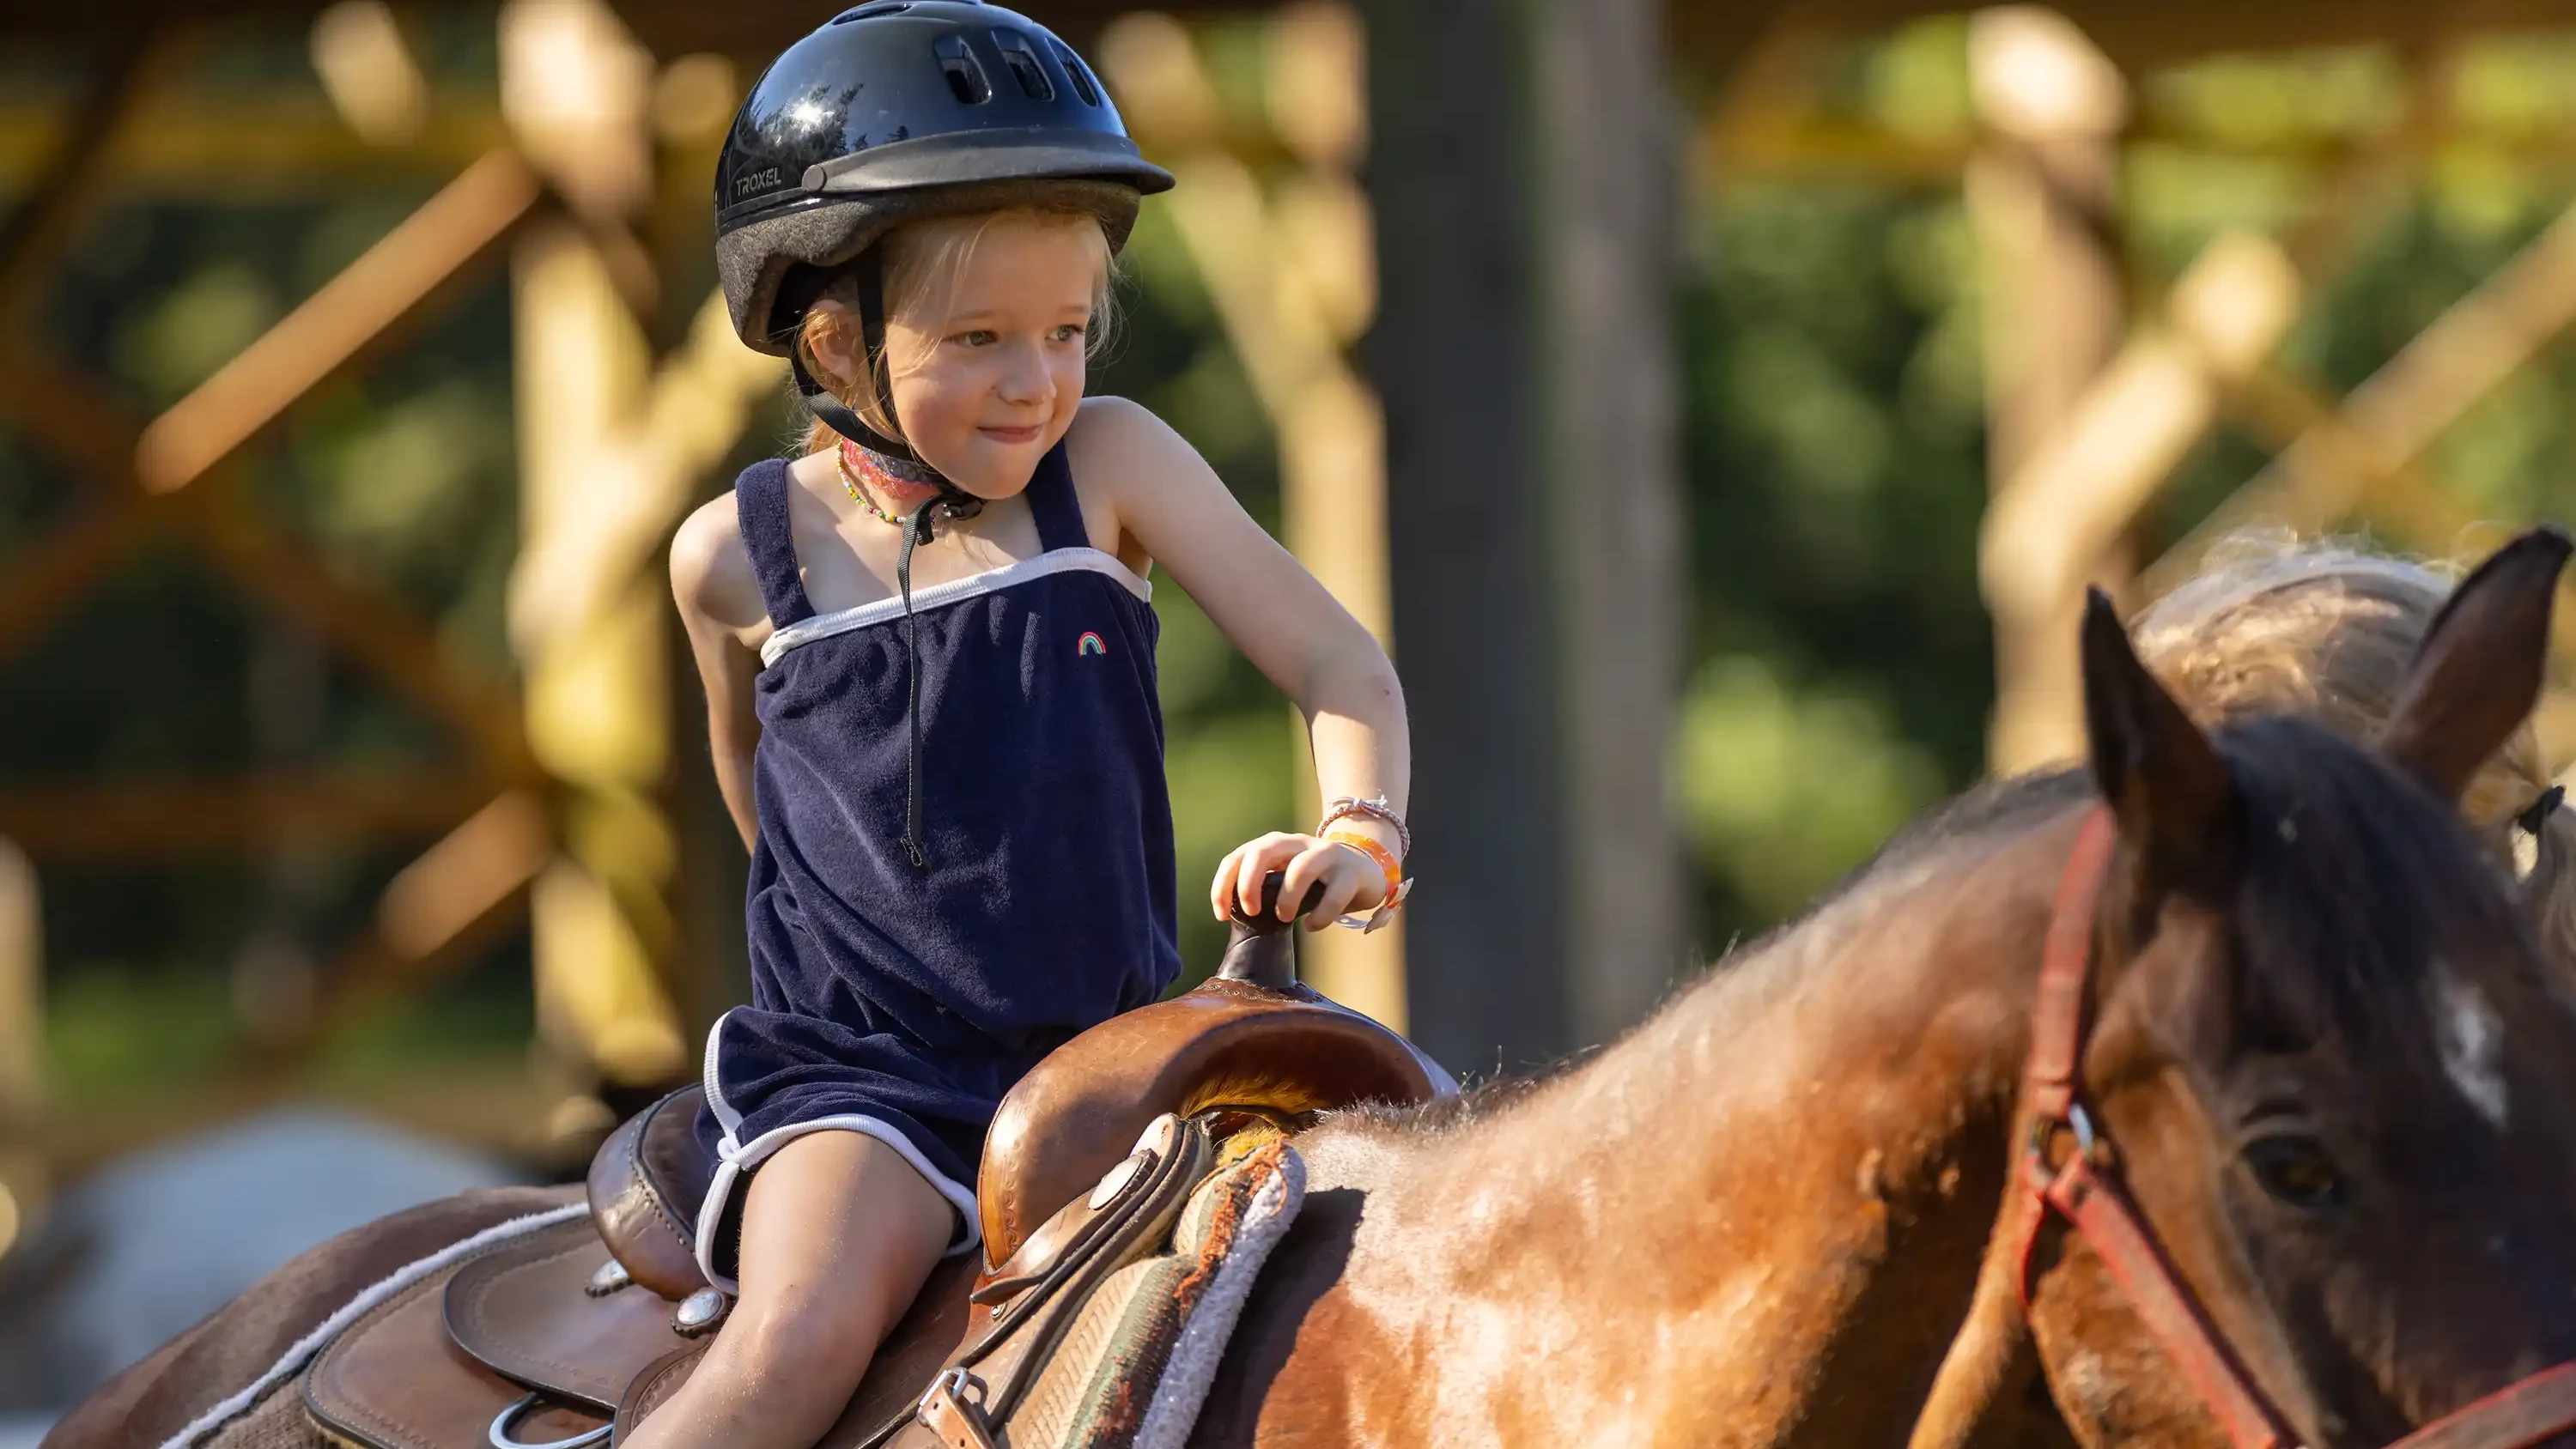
x,y
2086,1191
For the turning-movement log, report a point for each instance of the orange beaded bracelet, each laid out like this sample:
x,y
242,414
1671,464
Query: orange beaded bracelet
x,y
1397,887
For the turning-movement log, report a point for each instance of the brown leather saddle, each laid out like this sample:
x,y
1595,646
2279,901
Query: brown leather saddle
x,y
558,1338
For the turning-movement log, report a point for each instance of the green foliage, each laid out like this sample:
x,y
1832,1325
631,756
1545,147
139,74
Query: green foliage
x,y
1785,790
1834,414
1833,423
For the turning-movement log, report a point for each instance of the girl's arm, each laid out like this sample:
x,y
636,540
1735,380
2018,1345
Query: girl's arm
x,y
1166,498
720,607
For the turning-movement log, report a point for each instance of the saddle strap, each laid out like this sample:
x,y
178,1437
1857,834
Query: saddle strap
x,y
1125,1218
1137,1217
951,1421
1125,1359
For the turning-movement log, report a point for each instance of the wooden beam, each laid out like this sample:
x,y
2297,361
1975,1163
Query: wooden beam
x,y
456,900
594,682
236,148
353,312
72,417
75,420
2065,506
2039,195
22,999
65,189
2143,37
2135,35
130,820
48,577
379,634
1294,285
23,1175
2397,412
700,400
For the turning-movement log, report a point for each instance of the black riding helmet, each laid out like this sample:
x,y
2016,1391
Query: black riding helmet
x,y
897,110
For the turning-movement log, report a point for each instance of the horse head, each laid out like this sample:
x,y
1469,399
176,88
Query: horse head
x,y
2272,624
2326,1061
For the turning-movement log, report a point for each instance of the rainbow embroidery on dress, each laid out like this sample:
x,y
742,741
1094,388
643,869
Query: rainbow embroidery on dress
x,y
1090,644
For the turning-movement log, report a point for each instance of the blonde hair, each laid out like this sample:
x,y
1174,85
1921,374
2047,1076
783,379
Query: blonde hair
x,y
923,260
2329,630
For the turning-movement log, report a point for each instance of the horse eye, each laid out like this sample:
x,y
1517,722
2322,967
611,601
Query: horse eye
x,y
2295,1170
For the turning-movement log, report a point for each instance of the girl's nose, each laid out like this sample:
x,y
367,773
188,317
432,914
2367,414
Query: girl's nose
x,y
1027,379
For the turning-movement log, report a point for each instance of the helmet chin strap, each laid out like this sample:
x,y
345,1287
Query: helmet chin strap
x,y
953,501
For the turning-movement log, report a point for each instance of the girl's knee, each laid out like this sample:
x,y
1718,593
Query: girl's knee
x,y
789,1354
806,1336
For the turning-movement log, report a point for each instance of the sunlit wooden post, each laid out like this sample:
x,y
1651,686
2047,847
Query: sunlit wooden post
x,y
1294,284
2039,194
22,1042
1521,174
574,88
1332,438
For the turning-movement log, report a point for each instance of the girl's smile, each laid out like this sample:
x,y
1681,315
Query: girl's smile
x,y
987,350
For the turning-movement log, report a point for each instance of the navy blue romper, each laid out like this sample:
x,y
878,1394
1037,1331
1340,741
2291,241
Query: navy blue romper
x,y
903,1002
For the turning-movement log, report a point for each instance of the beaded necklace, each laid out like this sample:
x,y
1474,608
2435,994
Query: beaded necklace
x,y
866,472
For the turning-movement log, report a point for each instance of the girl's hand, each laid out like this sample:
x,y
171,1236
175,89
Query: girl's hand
x,y
1352,882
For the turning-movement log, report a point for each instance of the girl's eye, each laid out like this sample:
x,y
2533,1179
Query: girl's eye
x,y
1071,331
979,337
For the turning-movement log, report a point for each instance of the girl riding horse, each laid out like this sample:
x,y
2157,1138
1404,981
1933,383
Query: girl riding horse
x,y
2323,1057
929,663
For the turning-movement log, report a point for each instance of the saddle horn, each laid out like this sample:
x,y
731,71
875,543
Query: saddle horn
x,y
1263,951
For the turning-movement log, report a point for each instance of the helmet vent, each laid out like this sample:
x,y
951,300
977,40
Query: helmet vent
x,y
1081,75
1023,62
965,73
871,12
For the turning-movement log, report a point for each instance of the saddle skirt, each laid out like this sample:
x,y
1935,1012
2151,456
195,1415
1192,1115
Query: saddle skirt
x,y
1104,1333
1096,1315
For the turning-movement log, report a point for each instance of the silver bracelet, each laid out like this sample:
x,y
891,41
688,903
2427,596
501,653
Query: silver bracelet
x,y
1375,809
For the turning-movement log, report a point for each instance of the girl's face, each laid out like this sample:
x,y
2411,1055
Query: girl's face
x,y
988,367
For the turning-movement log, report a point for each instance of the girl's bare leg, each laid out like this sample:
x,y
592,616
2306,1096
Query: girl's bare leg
x,y
837,1236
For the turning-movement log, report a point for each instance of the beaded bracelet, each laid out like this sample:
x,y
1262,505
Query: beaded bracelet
x,y
1397,887
1373,809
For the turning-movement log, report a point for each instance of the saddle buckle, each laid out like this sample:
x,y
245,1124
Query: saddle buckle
x,y
947,1411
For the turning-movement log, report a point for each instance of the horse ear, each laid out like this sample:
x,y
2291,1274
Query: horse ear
x,y
2175,801
2479,671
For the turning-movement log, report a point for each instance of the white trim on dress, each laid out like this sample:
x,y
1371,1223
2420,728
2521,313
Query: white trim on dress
x,y
975,586
736,1158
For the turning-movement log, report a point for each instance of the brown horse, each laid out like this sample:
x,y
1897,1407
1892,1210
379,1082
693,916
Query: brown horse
x,y
2322,1040
1751,1225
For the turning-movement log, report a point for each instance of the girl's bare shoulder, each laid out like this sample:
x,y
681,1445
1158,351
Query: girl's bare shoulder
x,y
1121,448
711,574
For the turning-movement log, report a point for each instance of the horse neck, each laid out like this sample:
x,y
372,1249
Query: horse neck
x,y
1756,1220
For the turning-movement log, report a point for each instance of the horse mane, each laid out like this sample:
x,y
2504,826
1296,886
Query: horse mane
x,y
1991,809
2324,627
2325,946
2325,824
